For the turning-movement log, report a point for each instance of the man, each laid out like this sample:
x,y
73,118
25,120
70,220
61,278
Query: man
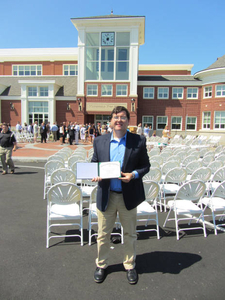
x,y
43,132
18,127
71,131
7,144
35,128
54,130
121,195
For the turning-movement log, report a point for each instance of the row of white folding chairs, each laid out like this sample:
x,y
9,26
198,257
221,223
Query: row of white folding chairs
x,y
189,203
65,203
170,182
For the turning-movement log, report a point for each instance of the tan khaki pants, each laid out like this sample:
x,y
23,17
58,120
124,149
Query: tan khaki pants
x,y
106,222
6,159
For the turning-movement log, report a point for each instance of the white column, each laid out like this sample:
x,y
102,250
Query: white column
x,y
24,105
81,62
51,104
134,58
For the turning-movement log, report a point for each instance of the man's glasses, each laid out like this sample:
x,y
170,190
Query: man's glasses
x,y
116,118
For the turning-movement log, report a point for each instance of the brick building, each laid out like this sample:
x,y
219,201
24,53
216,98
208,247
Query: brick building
x,y
83,84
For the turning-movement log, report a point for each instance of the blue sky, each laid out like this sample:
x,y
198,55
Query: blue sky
x,y
176,32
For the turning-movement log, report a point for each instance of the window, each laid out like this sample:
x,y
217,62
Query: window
x,y
107,62
208,92
106,90
37,107
32,91
191,123
176,123
219,120
148,92
178,93
206,118
220,91
147,120
163,93
70,70
192,93
161,122
32,70
92,90
121,90
43,91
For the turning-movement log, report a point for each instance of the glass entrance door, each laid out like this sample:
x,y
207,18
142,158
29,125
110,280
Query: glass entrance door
x,y
38,111
40,118
103,119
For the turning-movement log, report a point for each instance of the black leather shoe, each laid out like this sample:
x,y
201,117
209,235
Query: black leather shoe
x,y
99,275
132,276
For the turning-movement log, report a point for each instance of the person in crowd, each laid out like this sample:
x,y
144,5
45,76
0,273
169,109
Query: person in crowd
x,y
61,133
71,131
25,127
91,132
54,130
48,130
104,129
82,133
77,131
166,132
43,132
120,195
30,128
7,145
64,132
35,128
18,127
154,133
146,130
86,132
139,129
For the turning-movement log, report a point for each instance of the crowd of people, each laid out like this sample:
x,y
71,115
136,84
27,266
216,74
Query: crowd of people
x,y
66,132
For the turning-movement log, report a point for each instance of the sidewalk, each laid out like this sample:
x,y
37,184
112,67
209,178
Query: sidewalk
x,y
38,152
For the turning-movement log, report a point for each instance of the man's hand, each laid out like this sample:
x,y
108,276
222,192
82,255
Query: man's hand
x,y
96,179
126,177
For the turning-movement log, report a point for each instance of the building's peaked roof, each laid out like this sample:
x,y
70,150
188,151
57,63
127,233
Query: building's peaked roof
x,y
108,17
219,63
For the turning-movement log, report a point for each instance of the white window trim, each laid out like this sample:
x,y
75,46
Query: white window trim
x,y
214,123
149,87
161,123
144,122
177,98
34,65
180,123
195,98
111,90
161,87
222,96
204,97
203,120
126,90
76,69
87,90
195,123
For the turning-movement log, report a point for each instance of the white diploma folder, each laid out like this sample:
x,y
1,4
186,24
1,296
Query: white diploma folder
x,y
87,170
105,170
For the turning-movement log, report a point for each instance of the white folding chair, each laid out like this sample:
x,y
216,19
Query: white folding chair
x,y
188,159
157,158
154,174
192,166
147,210
154,151
216,203
217,178
173,179
64,204
56,157
93,218
50,167
206,160
63,175
185,209
73,159
154,164
215,165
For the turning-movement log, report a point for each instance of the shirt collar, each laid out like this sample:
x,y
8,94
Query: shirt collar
x,y
123,138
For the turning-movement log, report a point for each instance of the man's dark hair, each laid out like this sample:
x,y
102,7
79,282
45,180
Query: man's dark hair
x,y
119,109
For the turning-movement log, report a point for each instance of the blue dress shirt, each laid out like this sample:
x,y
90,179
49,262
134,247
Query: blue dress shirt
x,y
117,151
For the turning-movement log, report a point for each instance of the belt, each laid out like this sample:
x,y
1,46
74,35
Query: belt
x,y
117,192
